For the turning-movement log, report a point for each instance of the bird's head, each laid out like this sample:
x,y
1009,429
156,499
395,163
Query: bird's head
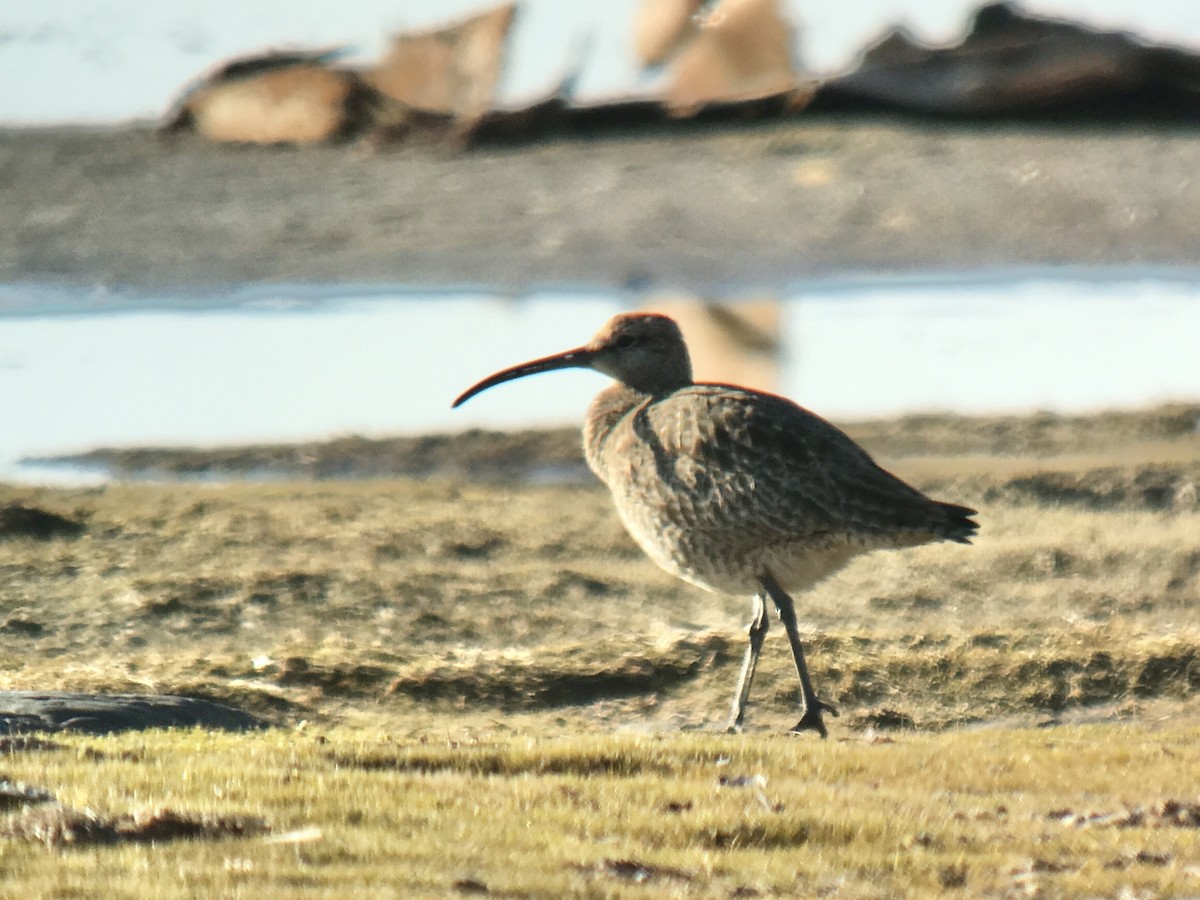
x,y
642,350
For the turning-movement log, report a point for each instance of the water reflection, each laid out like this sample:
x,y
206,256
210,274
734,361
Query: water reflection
x,y
290,365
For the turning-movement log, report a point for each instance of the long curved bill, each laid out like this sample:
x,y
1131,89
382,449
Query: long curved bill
x,y
579,358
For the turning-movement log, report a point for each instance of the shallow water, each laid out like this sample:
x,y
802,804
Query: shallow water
x,y
280,365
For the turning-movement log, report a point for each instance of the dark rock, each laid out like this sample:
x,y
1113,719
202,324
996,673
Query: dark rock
x,y
26,711
17,521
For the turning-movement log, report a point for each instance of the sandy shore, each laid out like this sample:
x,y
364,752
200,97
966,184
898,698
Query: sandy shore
x,y
760,203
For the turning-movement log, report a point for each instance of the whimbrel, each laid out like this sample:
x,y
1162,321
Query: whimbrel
x,y
735,490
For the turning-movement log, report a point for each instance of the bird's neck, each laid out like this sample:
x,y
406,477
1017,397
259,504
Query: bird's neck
x,y
605,413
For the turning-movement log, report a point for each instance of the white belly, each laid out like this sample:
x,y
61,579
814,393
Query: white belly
x,y
731,566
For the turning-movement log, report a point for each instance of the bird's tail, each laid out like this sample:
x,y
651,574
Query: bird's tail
x,y
957,524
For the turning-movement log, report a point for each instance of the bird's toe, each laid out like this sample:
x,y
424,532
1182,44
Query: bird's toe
x,y
812,719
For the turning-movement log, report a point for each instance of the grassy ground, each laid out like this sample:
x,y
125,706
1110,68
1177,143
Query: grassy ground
x,y
529,811
486,686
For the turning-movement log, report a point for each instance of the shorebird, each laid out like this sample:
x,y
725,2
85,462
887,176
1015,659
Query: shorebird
x,y
735,490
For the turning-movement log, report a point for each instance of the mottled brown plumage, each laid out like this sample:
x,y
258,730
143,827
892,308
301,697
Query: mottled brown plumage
x,y
736,490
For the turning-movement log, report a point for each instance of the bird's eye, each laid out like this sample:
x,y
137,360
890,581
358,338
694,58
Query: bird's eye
x,y
625,341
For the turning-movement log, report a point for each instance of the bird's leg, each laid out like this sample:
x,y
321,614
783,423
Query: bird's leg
x,y
758,632
812,706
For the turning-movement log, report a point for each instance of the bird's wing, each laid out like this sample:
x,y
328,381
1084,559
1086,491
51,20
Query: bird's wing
x,y
782,469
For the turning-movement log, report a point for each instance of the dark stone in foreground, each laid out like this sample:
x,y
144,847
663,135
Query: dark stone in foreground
x,y
26,711
17,521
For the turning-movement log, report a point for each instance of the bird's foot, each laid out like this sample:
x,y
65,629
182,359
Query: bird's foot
x,y
811,720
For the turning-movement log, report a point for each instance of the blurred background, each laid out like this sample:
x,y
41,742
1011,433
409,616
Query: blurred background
x,y
112,60
85,365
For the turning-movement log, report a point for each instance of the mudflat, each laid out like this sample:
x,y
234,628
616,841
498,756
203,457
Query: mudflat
x,y
695,207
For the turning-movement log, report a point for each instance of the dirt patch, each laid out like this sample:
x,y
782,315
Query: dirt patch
x,y
26,743
15,795
1157,487
487,761
632,870
530,683
61,826
475,454
557,456
1043,434
1169,813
